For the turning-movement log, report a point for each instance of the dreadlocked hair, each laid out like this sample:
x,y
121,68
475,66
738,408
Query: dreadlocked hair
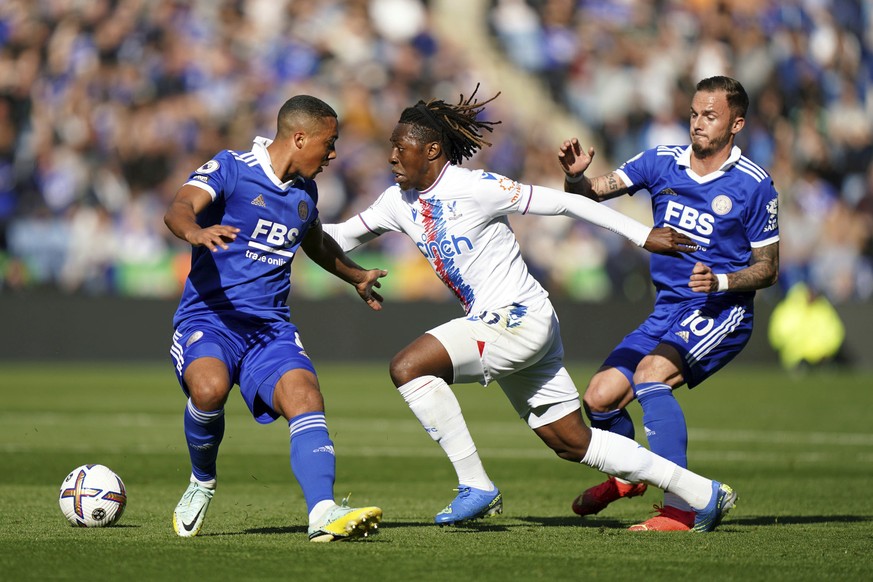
x,y
454,126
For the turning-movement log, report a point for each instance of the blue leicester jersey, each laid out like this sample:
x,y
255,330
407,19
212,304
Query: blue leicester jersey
x,y
727,213
251,279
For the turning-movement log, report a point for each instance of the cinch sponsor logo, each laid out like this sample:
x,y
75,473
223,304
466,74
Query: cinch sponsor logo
x,y
445,247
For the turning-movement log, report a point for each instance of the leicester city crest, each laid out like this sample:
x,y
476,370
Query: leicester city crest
x,y
721,204
303,210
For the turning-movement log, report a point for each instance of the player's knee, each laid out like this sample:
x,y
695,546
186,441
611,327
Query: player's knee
x,y
208,383
599,398
208,395
401,370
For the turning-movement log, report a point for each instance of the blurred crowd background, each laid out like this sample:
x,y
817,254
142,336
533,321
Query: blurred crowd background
x,y
106,106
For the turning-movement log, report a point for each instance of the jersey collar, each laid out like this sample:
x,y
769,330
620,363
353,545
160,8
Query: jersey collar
x,y
259,149
684,160
430,188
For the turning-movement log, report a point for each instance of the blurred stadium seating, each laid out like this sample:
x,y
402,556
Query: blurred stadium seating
x,y
107,105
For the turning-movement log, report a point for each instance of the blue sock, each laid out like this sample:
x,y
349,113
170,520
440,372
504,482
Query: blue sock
x,y
312,457
664,422
203,433
617,421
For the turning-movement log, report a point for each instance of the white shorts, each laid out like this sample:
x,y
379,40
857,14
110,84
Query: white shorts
x,y
520,347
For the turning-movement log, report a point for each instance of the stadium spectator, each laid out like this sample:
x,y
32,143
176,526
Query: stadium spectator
x,y
127,95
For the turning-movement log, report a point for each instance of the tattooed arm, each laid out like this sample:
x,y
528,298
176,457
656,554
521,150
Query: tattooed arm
x,y
600,188
574,162
763,271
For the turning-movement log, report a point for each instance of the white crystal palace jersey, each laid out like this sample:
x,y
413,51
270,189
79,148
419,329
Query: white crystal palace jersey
x,y
727,213
251,278
460,225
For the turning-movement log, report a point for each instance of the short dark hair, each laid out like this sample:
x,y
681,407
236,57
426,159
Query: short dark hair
x,y
301,108
737,99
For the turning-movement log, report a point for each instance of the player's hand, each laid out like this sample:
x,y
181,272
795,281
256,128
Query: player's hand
x,y
666,241
572,159
366,288
703,280
213,237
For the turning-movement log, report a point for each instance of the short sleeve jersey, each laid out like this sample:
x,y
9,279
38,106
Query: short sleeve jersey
x,y
250,279
460,225
727,213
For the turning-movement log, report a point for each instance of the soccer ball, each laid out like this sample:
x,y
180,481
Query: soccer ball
x,y
92,496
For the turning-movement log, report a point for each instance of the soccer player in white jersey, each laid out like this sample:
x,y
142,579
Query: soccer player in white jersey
x,y
246,213
705,299
509,333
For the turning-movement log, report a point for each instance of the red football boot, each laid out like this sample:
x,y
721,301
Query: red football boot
x,y
593,500
668,519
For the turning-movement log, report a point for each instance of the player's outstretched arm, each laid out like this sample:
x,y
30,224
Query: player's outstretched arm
x,y
664,240
181,219
574,161
350,234
763,271
549,202
325,251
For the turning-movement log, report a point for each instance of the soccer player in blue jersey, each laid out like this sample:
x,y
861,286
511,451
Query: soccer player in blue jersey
x,y
246,213
458,219
704,306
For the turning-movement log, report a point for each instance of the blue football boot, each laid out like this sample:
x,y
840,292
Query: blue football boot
x,y
470,503
723,500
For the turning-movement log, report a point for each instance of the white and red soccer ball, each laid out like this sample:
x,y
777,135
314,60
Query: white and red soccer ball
x,y
92,496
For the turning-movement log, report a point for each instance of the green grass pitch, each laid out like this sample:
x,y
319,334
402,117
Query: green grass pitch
x,y
799,451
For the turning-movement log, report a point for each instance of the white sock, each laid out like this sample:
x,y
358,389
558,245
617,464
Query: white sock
x,y
207,484
673,500
436,408
627,459
320,509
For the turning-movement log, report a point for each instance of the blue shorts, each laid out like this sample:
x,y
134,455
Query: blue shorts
x,y
256,357
708,333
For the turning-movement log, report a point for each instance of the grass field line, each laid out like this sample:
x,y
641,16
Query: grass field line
x,y
782,437
392,426
765,458
423,450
